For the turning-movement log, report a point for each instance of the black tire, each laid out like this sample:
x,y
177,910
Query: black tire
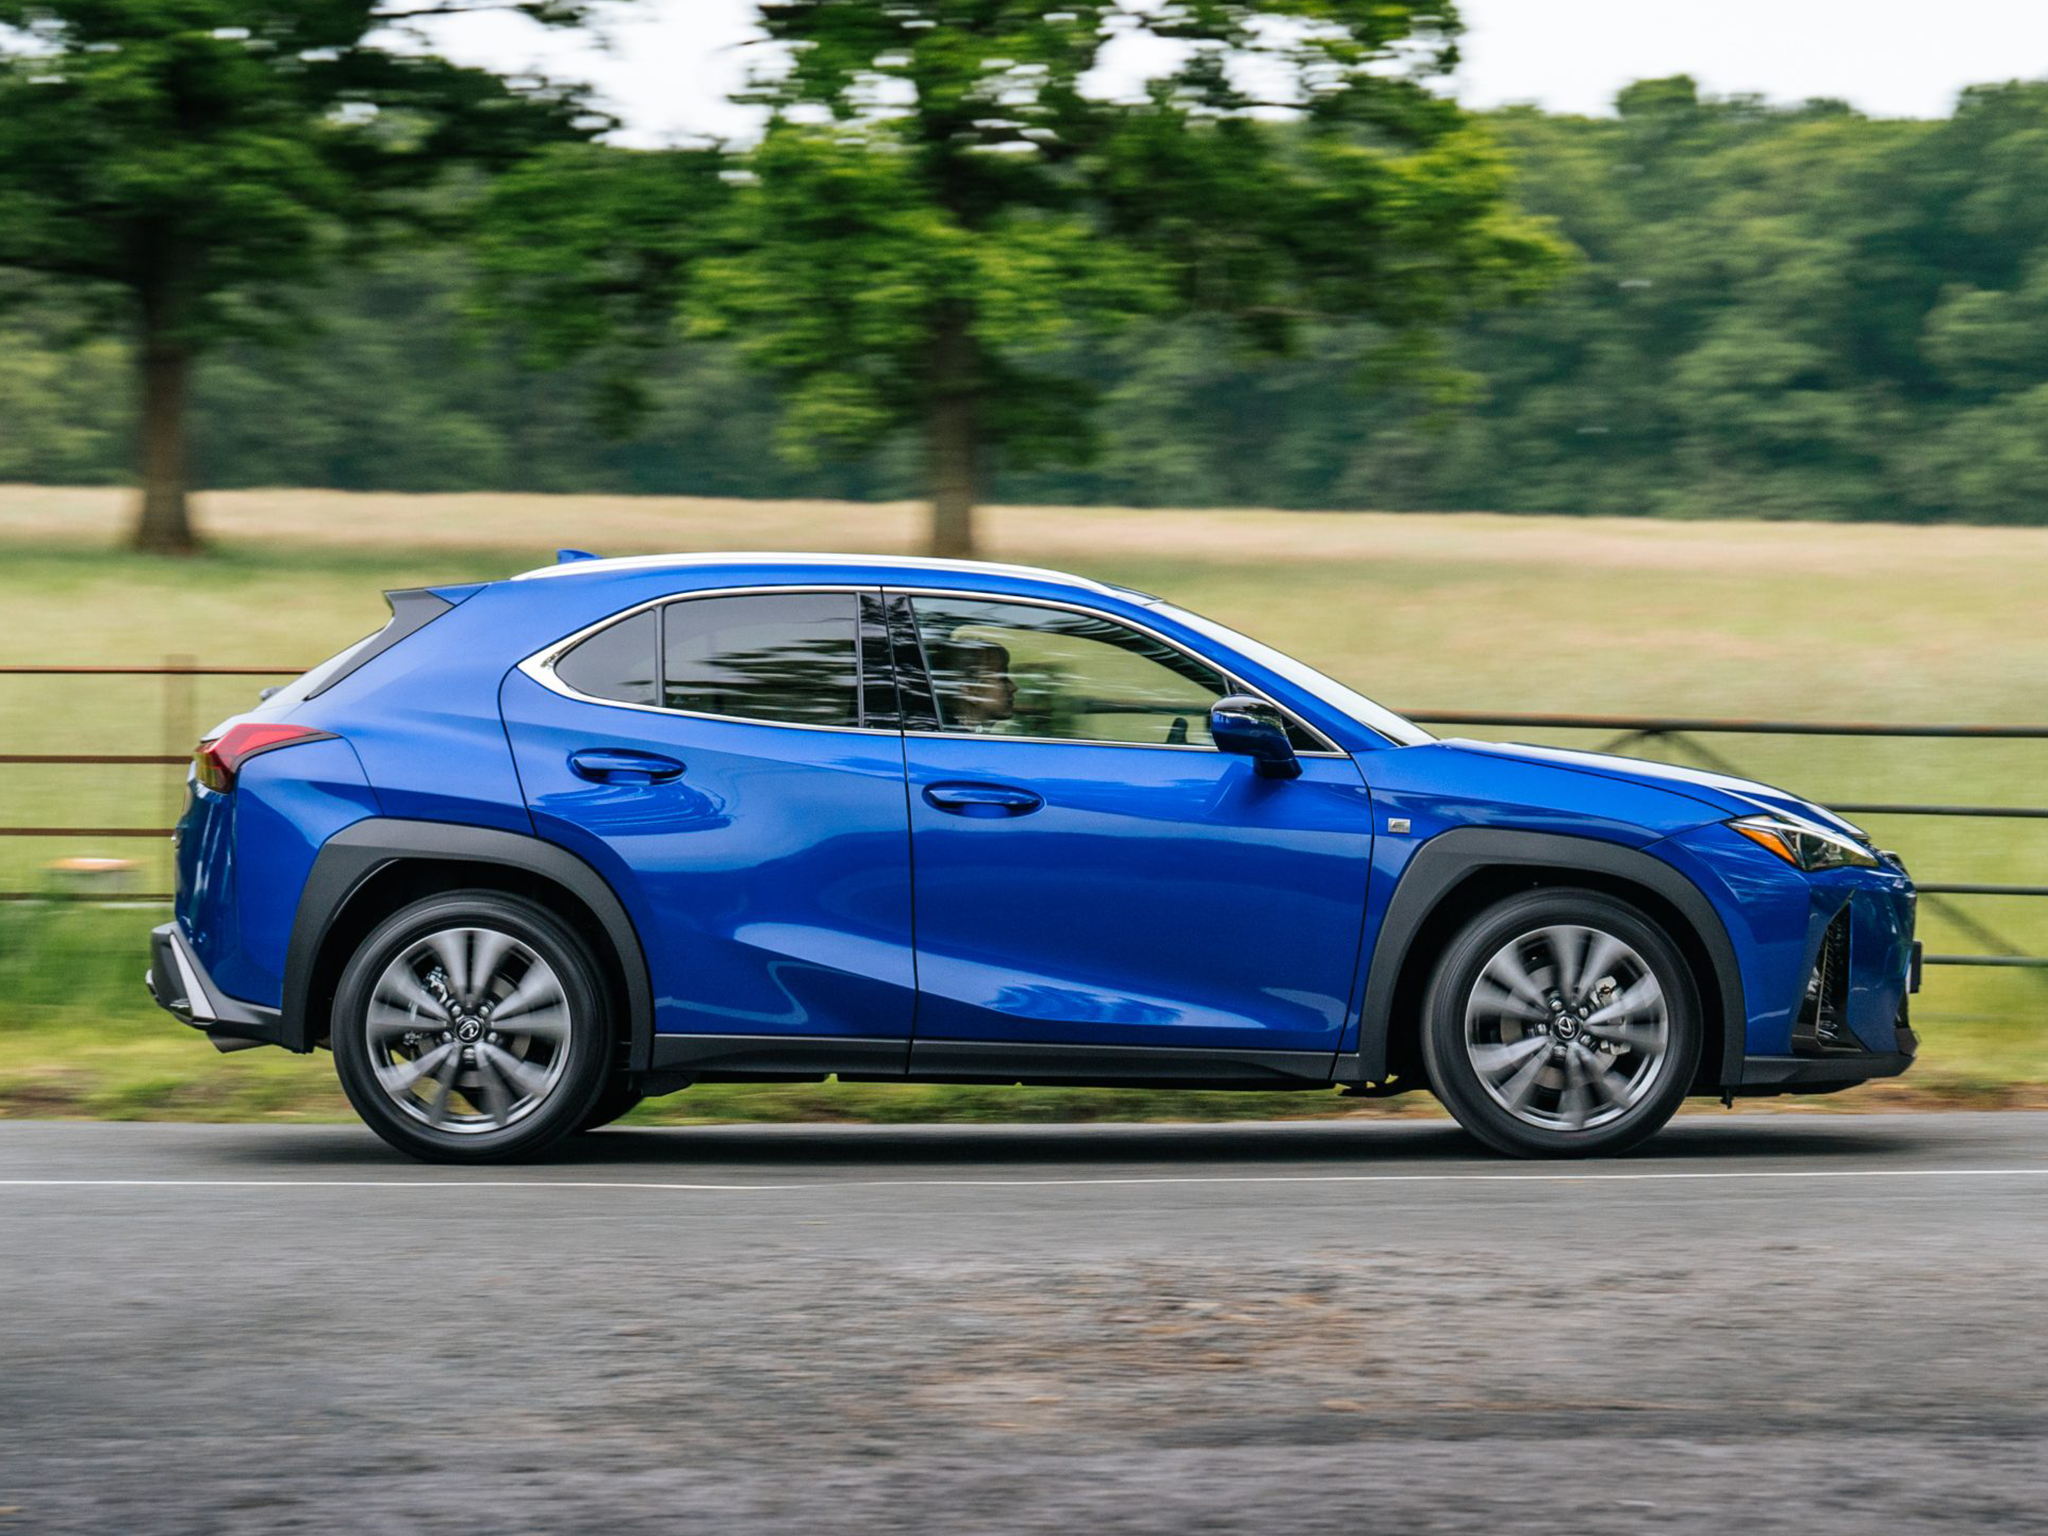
x,y
1617,1092
491,1120
617,1098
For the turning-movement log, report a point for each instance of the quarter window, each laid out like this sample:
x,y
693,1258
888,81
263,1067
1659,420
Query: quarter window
x,y
788,657
1015,669
615,663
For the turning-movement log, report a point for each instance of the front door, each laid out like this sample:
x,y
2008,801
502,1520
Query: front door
x,y
1090,870
731,764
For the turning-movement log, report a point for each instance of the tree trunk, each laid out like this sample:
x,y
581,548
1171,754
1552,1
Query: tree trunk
x,y
952,430
164,526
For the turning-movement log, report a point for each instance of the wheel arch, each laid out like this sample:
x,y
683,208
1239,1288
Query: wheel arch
x,y
370,869
1457,873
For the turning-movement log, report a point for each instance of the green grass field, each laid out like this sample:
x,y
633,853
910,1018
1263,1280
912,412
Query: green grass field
x,y
1470,612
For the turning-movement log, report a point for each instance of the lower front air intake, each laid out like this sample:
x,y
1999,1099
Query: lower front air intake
x,y
1823,1023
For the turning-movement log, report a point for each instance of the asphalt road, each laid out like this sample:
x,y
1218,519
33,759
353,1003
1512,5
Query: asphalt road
x,y
1762,1323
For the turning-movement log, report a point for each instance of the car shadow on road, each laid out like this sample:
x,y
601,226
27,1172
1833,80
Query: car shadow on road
x,y
1436,1144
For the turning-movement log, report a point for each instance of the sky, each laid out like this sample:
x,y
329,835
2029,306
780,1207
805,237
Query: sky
x,y
671,63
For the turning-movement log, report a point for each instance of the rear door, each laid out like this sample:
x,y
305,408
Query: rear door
x,y
731,762
1090,869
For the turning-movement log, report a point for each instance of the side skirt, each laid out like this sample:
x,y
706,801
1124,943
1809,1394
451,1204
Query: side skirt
x,y
750,1058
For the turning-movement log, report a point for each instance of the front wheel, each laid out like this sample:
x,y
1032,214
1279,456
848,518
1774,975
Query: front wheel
x,y
618,1098
469,1027
1561,1023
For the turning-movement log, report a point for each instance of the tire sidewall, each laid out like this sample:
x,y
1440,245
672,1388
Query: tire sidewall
x,y
617,1100
589,1044
1456,1081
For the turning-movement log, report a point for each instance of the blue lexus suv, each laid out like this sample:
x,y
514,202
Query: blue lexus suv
x,y
542,847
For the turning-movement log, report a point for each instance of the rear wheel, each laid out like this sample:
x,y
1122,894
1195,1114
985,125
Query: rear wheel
x,y
1561,1023
469,1027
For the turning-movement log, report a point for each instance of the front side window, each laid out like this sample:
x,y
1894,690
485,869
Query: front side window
x,y
1015,669
788,657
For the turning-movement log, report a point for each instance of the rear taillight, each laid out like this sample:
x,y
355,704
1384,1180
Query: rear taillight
x,y
217,761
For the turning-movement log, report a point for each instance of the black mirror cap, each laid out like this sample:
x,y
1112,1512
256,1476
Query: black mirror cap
x,y
1250,727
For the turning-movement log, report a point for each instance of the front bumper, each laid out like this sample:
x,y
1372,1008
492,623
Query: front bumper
x,y
1853,1022
180,986
1766,1075
1834,1070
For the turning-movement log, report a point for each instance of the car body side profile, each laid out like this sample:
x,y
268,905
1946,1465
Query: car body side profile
x,y
541,847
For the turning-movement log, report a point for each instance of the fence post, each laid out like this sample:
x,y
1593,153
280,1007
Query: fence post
x,y
178,726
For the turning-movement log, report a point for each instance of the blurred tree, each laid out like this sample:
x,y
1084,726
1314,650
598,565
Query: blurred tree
x,y
187,164
941,212
941,220
1724,346
1786,311
587,249
53,422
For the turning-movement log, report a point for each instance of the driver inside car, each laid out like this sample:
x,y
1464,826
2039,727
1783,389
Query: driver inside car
x,y
973,678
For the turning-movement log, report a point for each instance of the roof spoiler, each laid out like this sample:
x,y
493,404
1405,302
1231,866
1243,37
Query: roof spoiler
x,y
412,610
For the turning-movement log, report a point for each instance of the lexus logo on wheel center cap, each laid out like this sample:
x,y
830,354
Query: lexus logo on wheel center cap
x,y
469,1029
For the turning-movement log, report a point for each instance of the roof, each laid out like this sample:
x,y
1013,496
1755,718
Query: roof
x,y
757,558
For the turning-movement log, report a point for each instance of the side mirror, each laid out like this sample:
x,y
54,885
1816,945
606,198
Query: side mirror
x,y
1252,728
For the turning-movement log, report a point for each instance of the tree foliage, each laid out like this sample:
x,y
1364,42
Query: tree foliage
x,y
185,167
941,220
1774,311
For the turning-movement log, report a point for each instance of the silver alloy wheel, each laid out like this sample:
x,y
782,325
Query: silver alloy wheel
x,y
1567,1028
468,1030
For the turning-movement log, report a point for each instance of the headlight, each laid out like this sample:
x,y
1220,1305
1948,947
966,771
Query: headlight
x,y
1803,846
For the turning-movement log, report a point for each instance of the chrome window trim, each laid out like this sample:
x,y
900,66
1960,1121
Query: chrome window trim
x,y
540,666
1084,741
1328,749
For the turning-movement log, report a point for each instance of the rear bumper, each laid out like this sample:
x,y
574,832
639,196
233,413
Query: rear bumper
x,y
181,987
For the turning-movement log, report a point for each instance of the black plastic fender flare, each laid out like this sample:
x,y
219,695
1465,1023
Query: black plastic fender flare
x,y
358,851
1449,858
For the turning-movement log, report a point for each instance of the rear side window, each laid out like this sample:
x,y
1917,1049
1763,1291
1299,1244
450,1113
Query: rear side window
x,y
788,657
616,663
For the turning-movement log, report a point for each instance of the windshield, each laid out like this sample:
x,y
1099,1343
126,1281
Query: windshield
x,y
1333,693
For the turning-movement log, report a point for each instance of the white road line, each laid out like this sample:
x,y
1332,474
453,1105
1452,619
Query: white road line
x,y
1114,1180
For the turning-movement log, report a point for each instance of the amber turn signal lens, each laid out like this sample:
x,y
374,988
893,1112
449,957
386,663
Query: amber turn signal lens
x,y
1767,837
